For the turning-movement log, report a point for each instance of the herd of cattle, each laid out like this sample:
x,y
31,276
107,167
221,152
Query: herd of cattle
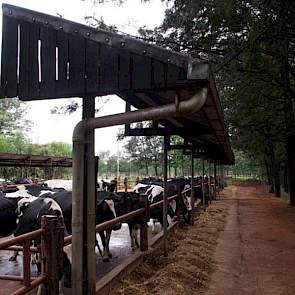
x,y
22,207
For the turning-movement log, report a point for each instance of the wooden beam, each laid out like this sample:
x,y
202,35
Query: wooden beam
x,y
161,131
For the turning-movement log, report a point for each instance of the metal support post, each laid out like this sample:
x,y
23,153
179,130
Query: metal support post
x,y
84,268
165,203
144,246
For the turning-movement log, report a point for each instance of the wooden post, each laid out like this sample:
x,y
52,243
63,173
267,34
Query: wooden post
x,y
51,253
215,180
192,188
209,182
26,264
144,246
165,203
203,183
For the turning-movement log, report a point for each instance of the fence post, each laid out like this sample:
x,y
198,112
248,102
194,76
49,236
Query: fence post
x,y
26,263
144,246
51,253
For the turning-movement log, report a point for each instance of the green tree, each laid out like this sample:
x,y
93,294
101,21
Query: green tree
x,y
12,116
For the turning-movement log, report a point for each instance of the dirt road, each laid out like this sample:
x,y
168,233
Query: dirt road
x,y
256,251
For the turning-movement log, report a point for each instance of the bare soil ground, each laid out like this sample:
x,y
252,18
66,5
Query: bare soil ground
x,y
256,251
189,265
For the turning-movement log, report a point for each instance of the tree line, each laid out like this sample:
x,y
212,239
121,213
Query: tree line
x,y
14,139
251,45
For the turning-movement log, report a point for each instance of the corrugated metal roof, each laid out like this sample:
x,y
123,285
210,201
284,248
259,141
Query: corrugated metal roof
x,y
23,160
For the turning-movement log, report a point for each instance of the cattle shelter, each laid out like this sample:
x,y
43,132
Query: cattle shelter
x,y
47,57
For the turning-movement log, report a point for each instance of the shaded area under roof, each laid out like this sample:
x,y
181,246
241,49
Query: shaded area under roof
x,y
48,57
17,160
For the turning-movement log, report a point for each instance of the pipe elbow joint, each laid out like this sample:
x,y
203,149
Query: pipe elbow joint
x,y
195,103
79,131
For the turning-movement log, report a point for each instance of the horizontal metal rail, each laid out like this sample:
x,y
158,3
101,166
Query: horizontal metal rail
x,y
21,249
35,283
110,223
38,184
20,239
107,224
25,239
15,278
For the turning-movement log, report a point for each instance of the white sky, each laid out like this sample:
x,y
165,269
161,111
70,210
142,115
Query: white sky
x,y
128,18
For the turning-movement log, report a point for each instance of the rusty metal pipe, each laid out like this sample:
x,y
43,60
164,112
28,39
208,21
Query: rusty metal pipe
x,y
20,239
35,283
191,105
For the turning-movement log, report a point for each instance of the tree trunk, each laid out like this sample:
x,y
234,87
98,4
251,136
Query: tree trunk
x,y
286,184
156,169
291,168
269,173
146,168
288,101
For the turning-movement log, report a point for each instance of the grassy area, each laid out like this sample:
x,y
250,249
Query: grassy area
x,y
243,180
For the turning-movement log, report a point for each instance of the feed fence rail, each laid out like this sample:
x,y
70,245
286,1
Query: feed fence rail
x,y
51,235
29,282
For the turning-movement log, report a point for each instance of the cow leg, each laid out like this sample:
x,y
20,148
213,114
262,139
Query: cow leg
x,y
97,245
131,230
105,257
14,256
136,230
154,226
38,262
108,237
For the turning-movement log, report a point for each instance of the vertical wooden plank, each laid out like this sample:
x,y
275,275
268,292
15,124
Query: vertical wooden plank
x,y
141,76
92,66
48,62
172,74
109,69
124,70
33,62
24,68
77,65
158,74
62,84
9,57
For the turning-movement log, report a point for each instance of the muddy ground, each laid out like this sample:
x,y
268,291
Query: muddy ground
x,y
189,264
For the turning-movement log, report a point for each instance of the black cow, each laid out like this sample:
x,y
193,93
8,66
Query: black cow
x,y
126,202
7,216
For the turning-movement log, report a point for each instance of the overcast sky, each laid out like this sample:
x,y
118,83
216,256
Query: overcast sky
x,y
128,18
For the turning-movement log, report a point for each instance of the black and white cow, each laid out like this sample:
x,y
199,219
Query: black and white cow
x,y
107,186
105,210
155,194
31,220
174,186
